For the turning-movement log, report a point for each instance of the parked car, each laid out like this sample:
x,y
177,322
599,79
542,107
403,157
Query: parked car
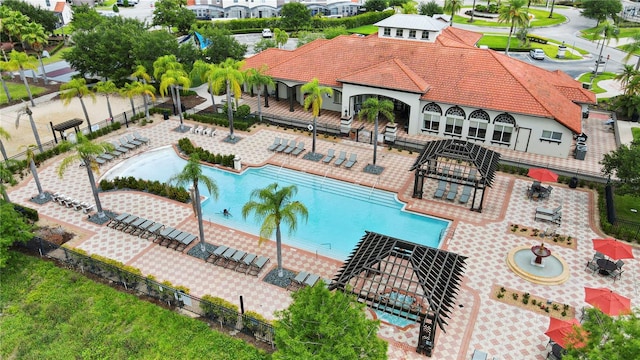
x,y
537,54
266,33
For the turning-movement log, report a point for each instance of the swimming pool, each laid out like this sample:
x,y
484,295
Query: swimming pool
x,y
339,212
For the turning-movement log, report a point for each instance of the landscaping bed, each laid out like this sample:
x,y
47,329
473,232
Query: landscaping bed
x,y
537,234
533,303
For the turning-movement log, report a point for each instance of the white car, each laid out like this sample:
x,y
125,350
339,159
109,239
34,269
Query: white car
x,y
537,54
267,34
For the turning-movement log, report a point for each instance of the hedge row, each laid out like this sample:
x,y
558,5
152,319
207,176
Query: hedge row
x,y
27,212
238,26
187,148
152,187
242,118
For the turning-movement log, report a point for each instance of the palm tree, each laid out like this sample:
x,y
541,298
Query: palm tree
x,y
29,113
3,68
371,108
86,152
515,14
204,71
6,177
228,76
281,37
453,6
273,206
31,155
146,90
605,31
313,92
259,79
627,74
107,88
632,48
473,10
36,37
77,88
175,79
192,175
129,90
21,61
161,66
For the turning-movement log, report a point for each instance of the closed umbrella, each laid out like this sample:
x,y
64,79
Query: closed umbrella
x,y
613,248
607,301
542,175
560,331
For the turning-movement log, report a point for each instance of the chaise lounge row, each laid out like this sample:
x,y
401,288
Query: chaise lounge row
x,y
204,130
164,236
342,159
293,148
238,260
66,201
303,279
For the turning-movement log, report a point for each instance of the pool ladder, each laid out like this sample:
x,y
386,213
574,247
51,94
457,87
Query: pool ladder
x,y
373,187
324,177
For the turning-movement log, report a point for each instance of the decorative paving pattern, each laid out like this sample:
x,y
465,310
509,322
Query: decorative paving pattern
x,y
477,322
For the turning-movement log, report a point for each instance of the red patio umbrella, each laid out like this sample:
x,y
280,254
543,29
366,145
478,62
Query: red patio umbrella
x,y
607,301
542,175
613,248
560,331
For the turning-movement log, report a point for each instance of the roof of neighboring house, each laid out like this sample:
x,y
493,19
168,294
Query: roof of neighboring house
x,y
191,2
413,22
452,34
458,74
59,6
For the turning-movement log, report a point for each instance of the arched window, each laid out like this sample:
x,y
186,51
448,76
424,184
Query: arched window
x,y
431,117
455,118
503,128
478,121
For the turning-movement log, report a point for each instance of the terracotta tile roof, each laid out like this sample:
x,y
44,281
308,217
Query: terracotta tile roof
x,y
191,2
466,37
59,6
462,75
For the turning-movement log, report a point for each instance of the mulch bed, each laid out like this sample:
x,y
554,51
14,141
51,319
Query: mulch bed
x,y
534,303
565,241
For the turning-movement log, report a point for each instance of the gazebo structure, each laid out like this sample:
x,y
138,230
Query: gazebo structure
x,y
63,126
456,161
404,279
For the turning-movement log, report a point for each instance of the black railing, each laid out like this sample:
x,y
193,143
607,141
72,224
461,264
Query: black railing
x,y
321,127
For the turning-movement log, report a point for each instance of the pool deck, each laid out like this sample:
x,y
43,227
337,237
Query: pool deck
x,y
477,322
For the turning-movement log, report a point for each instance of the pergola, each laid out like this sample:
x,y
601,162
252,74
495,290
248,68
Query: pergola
x,y
63,126
405,279
456,161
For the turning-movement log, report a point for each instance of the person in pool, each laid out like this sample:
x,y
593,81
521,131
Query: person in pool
x,y
226,213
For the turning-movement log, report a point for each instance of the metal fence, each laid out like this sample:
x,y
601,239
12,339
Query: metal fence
x,y
173,297
627,230
321,127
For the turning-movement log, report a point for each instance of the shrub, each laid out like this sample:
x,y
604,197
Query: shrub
x,y
218,308
149,186
27,212
187,148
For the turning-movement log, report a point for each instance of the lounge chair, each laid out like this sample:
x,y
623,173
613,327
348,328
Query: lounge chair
x,y
555,218
453,192
88,208
142,227
292,146
341,158
245,264
116,220
276,142
152,230
206,131
289,148
442,187
235,260
546,211
212,133
189,239
78,205
352,160
133,141
299,149
106,156
311,280
140,138
71,203
133,227
257,265
479,355
330,155
472,176
226,256
163,235
592,265
197,130
466,193
120,148
298,281
126,144
282,146
217,253
124,224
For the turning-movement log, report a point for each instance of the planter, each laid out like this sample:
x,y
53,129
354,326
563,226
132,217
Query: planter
x,y
390,132
345,124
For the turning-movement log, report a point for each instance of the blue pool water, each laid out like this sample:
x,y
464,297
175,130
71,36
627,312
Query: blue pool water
x,y
339,212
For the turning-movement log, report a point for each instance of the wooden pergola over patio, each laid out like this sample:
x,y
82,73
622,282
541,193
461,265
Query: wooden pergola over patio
x,y
456,161
405,279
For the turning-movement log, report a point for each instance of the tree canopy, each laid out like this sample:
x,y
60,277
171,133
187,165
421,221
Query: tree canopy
x,y
320,324
13,228
223,46
431,8
624,163
375,5
600,10
295,16
172,13
44,17
608,337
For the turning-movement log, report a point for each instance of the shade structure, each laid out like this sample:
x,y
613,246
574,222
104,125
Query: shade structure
x,y
613,248
560,332
542,175
607,301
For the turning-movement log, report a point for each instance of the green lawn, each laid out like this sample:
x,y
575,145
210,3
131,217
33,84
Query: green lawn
x,y
499,41
586,77
589,34
19,91
541,18
635,131
364,30
54,313
623,204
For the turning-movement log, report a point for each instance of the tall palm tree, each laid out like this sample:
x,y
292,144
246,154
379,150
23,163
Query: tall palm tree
x,y
86,152
273,206
161,66
107,88
605,31
192,175
142,76
21,61
146,91
371,109
175,79
77,88
473,10
453,7
36,37
259,79
129,90
31,155
204,71
281,37
313,92
627,74
632,48
14,24
229,77
29,113
515,14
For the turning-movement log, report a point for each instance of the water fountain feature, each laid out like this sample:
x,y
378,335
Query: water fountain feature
x,y
538,265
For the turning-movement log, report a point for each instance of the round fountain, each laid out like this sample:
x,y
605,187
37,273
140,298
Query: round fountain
x,y
538,265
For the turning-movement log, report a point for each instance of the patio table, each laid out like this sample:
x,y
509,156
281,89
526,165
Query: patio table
x,y
606,266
